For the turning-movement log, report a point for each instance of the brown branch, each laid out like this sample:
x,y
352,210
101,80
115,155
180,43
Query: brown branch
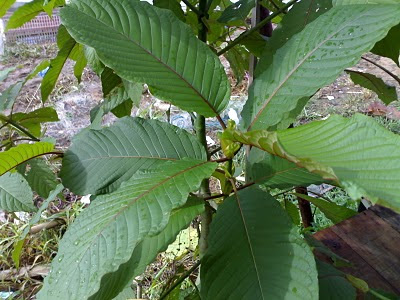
x,y
305,207
382,68
47,225
31,271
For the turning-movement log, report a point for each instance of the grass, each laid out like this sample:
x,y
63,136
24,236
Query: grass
x,y
38,249
24,52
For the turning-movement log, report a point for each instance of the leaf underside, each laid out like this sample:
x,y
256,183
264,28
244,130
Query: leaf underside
x,y
99,160
314,58
255,252
105,234
357,153
143,43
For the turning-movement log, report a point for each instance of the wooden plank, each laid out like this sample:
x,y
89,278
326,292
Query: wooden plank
x,y
376,242
388,216
360,268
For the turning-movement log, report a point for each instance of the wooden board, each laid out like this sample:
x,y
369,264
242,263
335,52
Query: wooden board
x,y
371,242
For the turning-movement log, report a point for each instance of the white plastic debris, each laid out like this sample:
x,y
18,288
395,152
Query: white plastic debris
x,y
210,141
330,97
232,114
86,199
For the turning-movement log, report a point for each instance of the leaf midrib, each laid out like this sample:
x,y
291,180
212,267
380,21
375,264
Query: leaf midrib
x,y
297,67
137,198
249,244
157,59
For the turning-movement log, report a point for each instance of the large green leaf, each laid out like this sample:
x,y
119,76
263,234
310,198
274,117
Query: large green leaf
x,y
313,58
238,59
33,120
93,60
301,14
255,252
119,101
385,92
15,156
237,11
41,178
356,153
172,5
99,160
4,6
277,172
147,250
15,193
351,2
4,73
66,45
333,284
146,44
390,45
332,211
8,97
27,12
104,236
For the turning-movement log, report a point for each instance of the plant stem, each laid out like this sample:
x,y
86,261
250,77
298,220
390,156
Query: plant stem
x,y
305,208
200,123
19,127
382,68
192,7
180,280
256,28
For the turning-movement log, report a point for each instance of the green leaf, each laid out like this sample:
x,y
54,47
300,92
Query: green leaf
x,y
99,160
49,5
104,236
385,92
238,59
147,250
172,5
255,252
333,284
332,211
27,12
109,81
126,294
15,193
237,11
33,120
93,60
356,153
8,97
276,172
41,178
301,14
4,6
66,45
17,155
127,39
4,73
255,43
40,67
119,101
351,2
19,243
334,41
80,60
292,211
390,45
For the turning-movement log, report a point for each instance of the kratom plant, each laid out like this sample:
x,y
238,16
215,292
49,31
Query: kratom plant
x,y
149,179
